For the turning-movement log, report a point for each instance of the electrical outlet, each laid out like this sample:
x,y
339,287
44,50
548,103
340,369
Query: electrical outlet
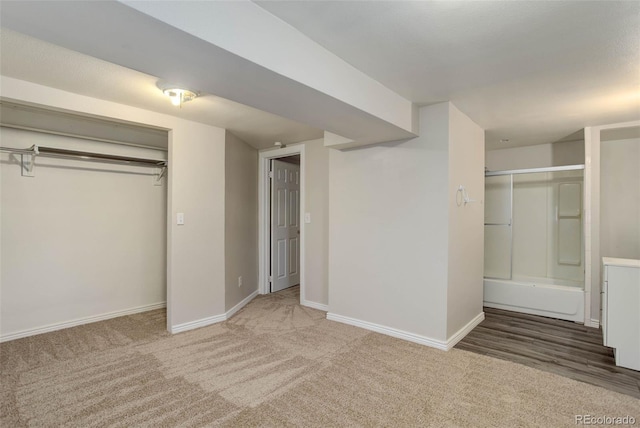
x,y
239,281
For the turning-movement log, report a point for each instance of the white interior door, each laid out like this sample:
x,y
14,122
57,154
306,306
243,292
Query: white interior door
x,y
285,227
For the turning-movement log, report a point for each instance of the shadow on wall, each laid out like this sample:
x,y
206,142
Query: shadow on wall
x,y
568,152
620,193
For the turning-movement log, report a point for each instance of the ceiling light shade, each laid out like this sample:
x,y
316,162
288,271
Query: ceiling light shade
x,y
178,95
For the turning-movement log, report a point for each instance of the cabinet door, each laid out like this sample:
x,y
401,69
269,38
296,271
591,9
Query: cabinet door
x,y
623,314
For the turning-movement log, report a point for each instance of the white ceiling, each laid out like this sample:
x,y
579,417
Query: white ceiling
x,y
531,72
27,58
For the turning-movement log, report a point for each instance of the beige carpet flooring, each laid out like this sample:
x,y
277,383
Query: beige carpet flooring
x,y
276,363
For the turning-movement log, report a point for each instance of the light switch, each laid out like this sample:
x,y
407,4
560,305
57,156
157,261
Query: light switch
x,y
180,219
307,217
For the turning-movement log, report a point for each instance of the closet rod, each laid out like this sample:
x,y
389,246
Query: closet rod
x,y
87,156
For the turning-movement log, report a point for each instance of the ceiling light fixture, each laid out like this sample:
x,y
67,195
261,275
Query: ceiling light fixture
x,y
178,95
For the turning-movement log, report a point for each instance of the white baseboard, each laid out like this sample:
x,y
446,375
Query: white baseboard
x,y
592,323
81,321
460,334
231,312
315,305
411,337
191,325
393,332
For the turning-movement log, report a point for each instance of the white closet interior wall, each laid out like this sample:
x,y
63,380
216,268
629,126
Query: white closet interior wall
x,y
81,240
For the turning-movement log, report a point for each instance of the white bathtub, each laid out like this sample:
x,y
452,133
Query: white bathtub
x,y
553,298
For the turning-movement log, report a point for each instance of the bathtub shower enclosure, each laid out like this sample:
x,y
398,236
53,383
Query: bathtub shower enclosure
x,y
534,241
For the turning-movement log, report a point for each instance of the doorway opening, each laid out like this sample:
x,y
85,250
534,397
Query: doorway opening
x,y
281,201
284,222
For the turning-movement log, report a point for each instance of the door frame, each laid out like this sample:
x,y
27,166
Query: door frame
x,y
264,208
591,203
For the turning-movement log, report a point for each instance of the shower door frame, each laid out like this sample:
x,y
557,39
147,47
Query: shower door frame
x,y
512,172
533,170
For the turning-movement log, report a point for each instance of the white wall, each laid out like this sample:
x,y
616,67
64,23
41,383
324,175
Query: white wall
x,y
317,232
79,239
195,251
392,242
620,198
538,156
466,222
241,220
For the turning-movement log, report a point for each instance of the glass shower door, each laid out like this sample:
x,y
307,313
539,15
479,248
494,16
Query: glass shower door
x,y
498,226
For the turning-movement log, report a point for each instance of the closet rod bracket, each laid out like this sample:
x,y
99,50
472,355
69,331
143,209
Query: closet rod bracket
x,y
159,175
28,162
28,165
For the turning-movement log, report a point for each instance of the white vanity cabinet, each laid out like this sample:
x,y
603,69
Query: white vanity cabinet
x,y
621,310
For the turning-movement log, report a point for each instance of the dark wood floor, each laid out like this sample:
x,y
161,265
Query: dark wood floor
x,y
562,347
